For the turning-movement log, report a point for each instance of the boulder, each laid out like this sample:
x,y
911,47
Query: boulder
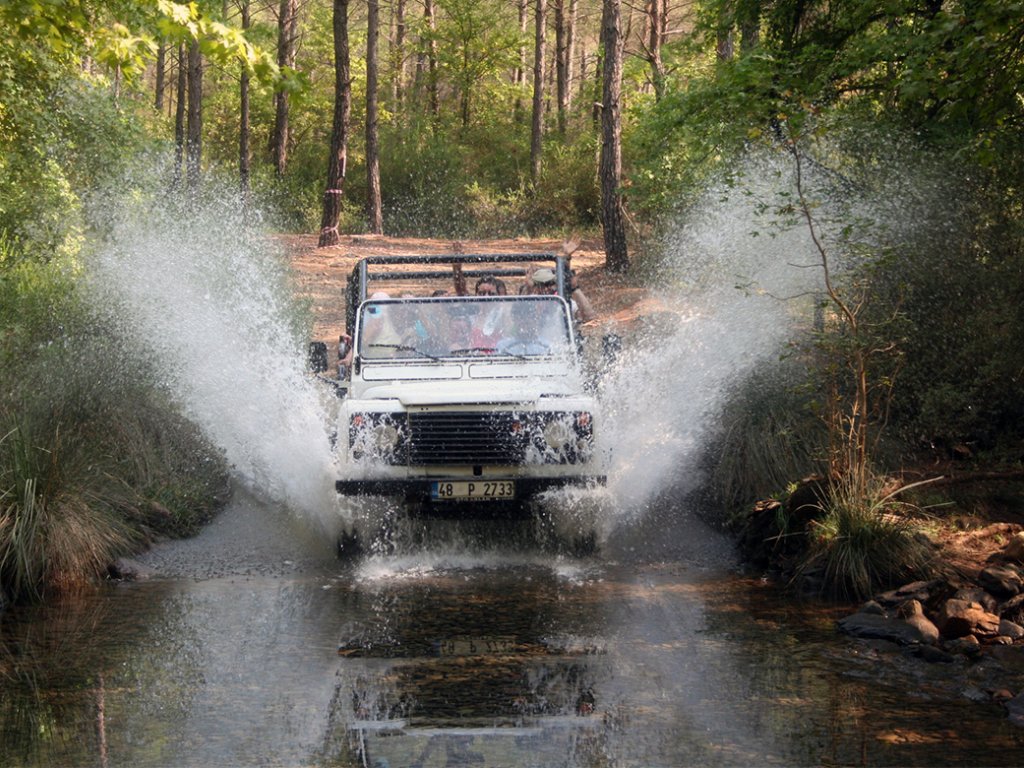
x,y
126,569
912,613
1015,709
964,646
1001,580
872,606
1014,551
1013,610
978,595
1011,629
871,625
959,618
930,654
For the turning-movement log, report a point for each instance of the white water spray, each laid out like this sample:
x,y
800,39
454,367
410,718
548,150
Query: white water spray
x,y
724,280
207,296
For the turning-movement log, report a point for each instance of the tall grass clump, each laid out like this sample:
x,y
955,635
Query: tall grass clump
x,y
94,460
859,545
59,512
767,439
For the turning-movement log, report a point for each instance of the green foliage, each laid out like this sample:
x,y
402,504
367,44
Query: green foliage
x,y
860,545
767,438
92,463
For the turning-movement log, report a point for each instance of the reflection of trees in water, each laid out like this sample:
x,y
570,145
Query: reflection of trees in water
x,y
66,665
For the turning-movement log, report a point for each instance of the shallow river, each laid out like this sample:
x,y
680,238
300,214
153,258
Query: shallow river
x,y
255,646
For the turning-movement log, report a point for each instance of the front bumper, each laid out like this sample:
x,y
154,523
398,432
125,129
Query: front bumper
x,y
420,488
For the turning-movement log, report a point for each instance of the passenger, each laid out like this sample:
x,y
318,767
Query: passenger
x,y
582,309
486,286
379,336
529,333
543,282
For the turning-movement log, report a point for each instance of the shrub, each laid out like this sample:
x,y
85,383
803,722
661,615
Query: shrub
x,y
858,546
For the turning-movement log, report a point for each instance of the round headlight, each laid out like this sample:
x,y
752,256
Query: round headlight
x,y
557,434
385,437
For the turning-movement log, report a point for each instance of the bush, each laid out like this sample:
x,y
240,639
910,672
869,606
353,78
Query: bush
x,y
93,460
858,546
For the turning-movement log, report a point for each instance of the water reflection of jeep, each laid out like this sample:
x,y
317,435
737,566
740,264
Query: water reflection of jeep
x,y
453,399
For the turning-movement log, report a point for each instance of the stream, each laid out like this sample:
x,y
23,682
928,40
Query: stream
x,y
252,644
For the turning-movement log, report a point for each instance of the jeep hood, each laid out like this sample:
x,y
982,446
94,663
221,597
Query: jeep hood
x,y
469,392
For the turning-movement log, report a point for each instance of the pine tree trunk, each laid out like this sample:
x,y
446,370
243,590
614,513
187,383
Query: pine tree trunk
x,y
287,32
520,74
537,129
336,163
243,117
561,63
613,218
181,98
373,201
161,65
398,56
194,139
656,11
428,16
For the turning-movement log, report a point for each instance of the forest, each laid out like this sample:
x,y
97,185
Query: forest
x,y
497,118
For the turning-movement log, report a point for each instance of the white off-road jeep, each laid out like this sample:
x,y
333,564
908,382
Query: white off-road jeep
x,y
454,399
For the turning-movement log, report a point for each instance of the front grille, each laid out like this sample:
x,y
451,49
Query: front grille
x,y
467,438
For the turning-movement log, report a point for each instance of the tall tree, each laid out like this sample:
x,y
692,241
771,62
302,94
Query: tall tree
x,y
612,214
161,71
287,36
181,99
657,11
537,128
243,115
398,54
373,201
194,139
565,25
337,161
520,73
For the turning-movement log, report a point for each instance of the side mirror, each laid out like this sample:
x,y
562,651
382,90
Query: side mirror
x,y
343,350
317,356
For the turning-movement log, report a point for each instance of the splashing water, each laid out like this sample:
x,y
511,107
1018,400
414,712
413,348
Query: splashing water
x,y
204,293
723,282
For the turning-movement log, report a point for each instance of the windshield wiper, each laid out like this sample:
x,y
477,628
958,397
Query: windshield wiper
x,y
405,348
483,350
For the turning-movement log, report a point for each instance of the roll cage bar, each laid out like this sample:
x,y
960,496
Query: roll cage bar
x,y
362,275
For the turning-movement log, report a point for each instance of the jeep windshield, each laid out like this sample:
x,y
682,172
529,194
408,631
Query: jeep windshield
x,y
445,328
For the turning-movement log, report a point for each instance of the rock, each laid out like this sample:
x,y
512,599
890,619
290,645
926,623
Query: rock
x,y
1011,629
964,646
920,591
959,618
1015,709
978,595
1013,609
1001,580
931,654
1009,657
912,613
129,570
1014,551
870,625
872,607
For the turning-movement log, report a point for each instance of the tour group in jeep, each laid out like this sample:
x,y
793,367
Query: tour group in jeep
x,y
451,399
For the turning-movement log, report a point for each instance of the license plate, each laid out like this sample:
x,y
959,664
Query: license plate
x,y
476,646
473,489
